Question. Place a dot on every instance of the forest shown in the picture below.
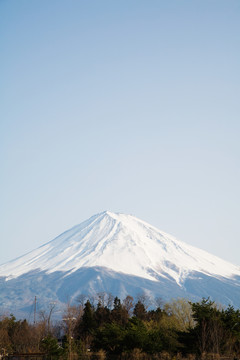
(130, 329)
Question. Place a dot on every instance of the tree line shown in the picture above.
(128, 329)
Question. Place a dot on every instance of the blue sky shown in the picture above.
(128, 106)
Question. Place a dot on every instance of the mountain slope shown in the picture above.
(122, 254)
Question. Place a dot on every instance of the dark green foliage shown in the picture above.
(231, 320)
(102, 315)
(187, 342)
(88, 319)
(119, 313)
(87, 323)
(49, 345)
(208, 326)
(216, 331)
(109, 338)
(136, 335)
(111, 330)
(231, 325)
(155, 315)
(140, 311)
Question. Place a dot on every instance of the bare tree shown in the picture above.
(81, 299)
(46, 316)
(159, 302)
(70, 316)
(128, 303)
(110, 300)
(182, 311)
(144, 299)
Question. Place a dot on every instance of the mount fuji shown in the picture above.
(118, 254)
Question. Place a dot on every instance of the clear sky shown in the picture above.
(130, 106)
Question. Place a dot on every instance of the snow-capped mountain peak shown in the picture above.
(124, 244)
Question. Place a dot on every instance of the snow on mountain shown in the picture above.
(111, 250)
(124, 244)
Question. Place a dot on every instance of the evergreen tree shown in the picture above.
(50, 346)
(119, 313)
(140, 311)
(102, 315)
(85, 327)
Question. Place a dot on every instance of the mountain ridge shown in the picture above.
(116, 252)
(120, 242)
